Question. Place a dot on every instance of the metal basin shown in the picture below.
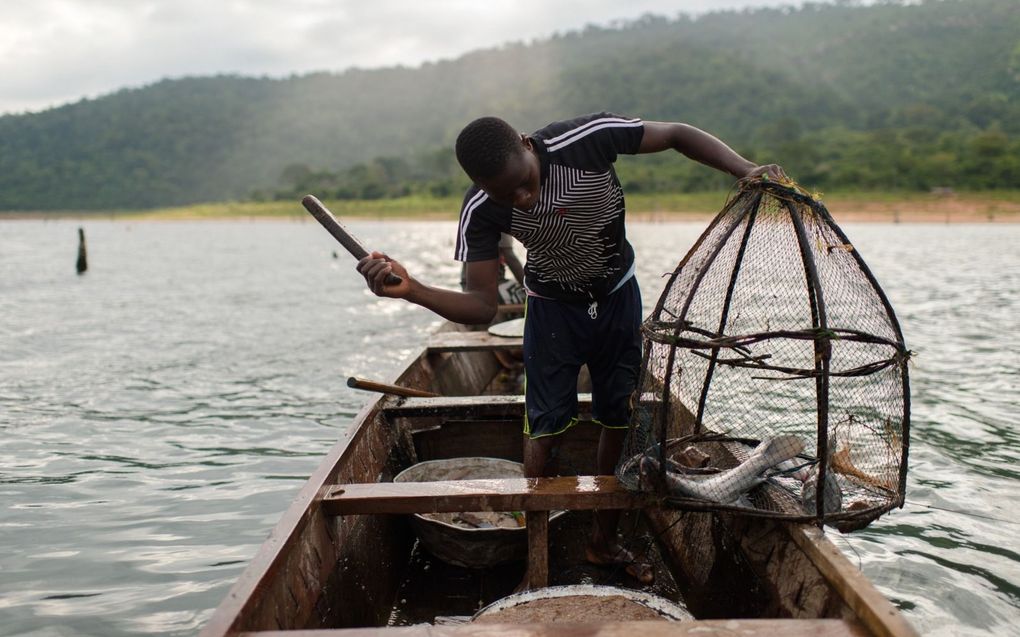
(457, 542)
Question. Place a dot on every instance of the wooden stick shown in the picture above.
(383, 388)
(339, 232)
(538, 549)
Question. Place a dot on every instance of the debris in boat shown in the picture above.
(480, 519)
(451, 620)
(694, 458)
(727, 486)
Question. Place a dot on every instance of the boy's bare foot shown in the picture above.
(618, 556)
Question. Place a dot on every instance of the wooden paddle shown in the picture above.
(335, 228)
(384, 388)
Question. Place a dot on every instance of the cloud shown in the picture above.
(57, 51)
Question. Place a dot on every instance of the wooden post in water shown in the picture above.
(83, 261)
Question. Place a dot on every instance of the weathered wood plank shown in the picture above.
(471, 342)
(873, 609)
(538, 549)
(706, 628)
(462, 407)
(505, 494)
(511, 405)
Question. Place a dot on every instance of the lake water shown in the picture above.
(159, 413)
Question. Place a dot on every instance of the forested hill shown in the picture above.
(928, 82)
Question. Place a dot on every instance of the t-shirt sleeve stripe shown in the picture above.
(571, 136)
(461, 253)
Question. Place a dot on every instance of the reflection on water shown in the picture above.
(159, 412)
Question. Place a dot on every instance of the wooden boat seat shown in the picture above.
(508, 406)
(535, 496)
(455, 341)
(565, 493)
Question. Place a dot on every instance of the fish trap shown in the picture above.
(774, 381)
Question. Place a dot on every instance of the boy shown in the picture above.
(557, 193)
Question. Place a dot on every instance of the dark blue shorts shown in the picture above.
(559, 338)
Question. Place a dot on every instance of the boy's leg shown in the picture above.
(604, 547)
(552, 360)
(551, 364)
(603, 537)
(540, 457)
(615, 369)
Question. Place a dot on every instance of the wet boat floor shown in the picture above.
(433, 591)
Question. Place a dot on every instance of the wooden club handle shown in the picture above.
(339, 232)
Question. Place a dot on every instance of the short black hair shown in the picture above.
(485, 145)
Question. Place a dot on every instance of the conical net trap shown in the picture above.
(774, 380)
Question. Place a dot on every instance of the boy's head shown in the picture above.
(501, 161)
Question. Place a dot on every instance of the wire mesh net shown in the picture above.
(774, 380)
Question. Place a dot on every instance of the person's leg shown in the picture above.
(615, 369)
(603, 536)
(552, 360)
(551, 364)
(604, 546)
(540, 457)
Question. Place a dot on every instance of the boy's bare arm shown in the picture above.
(476, 304)
(704, 148)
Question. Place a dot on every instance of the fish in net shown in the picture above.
(774, 376)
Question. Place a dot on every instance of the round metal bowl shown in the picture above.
(462, 545)
(589, 606)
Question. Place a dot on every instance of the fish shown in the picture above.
(726, 487)
(832, 494)
(795, 476)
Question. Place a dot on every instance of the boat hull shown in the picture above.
(345, 573)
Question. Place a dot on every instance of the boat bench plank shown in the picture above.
(701, 628)
(563, 493)
(472, 342)
(502, 406)
(510, 405)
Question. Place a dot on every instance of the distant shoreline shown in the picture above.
(981, 207)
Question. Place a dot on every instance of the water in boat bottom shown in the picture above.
(159, 412)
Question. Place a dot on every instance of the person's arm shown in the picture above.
(704, 148)
(476, 304)
(506, 249)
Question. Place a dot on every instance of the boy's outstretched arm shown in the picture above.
(704, 148)
(476, 304)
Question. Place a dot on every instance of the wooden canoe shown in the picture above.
(343, 561)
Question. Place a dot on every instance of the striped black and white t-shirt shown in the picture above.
(575, 237)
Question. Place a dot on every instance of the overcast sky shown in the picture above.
(58, 51)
